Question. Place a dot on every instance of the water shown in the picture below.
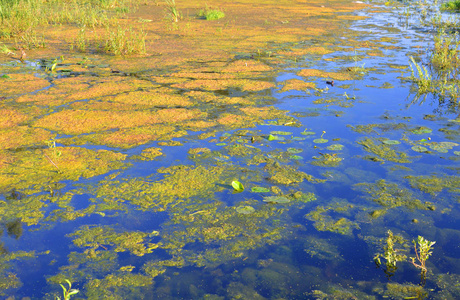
(168, 228)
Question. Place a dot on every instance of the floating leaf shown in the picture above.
(297, 157)
(259, 189)
(308, 133)
(245, 210)
(297, 138)
(238, 186)
(221, 144)
(276, 199)
(272, 137)
(335, 147)
(419, 149)
(457, 153)
(294, 150)
(281, 133)
(442, 147)
(391, 142)
(421, 130)
(320, 141)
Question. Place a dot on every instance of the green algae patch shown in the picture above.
(383, 151)
(56, 164)
(404, 291)
(342, 76)
(8, 279)
(245, 210)
(390, 195)
(326, 160)
(324, 222)
(103, 236)
(284, 174)
(217, 85)
(114, 285)
(297, 84)
(180, 182)
(149, 154)
(435, 184)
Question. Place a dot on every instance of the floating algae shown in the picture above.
(383, 151)
(324, 222)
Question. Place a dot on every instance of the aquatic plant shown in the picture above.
(423, 252)
(423, 78)
(237, 186)
(121, 41)
(453, 5)
(390, 254)
(67, 293)
(172, 13)
(210, 14)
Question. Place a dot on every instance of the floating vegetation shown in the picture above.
(259, 189)
(327, 160)
(383, 151)
(390, 195)
(335, 147)
(435, 184)
(276, 199)
(245, 210)
(391, 142)
(325, 222)
(419, 148)
(237, 186)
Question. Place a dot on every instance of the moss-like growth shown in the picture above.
(383, 151)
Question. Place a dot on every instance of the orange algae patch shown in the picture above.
(152, 99)
(216, 85)
(83, 121)
(199, 150)
(21, 84)
(21, 136)
(246, 66)
(296, 84)
(128, 138)
(213, 98)
(39, 167)
(199, 125)
(323, 74)
(197, 75)
(11, 117)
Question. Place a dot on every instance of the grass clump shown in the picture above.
(210, 14)
(451, 5)
(124, 42)
(172, 13)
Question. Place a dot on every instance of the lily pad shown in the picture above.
(296, 157)
(221, 144)
(335, 147)
(276, 199)
(238, 186)
(391, 142)
(281, 133)
(259, 189)
(320, 141)
(457, 153)
(419, 149)
(272, 137)
(294, 150)
(308, 133)
(245, 210)
(421, 130)
(442, 147)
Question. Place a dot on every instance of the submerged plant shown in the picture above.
(67, 292)
(390, 254)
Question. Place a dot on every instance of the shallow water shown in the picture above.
(169, 228)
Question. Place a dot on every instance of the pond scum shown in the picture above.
(123, 125)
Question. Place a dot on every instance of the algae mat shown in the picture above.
(273, 153)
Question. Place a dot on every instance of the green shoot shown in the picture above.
(67, 292)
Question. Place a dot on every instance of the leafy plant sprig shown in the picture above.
(67, 292)
(423, 253)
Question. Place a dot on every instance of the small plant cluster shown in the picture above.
(423, 250)
(116, 41)
(172, 13)
(451, 5)
(210, 14)
(67, 293)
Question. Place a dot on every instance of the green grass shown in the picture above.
(119, 41)
(172, 13)
(451, 5)
(210, 14)
(18, 16)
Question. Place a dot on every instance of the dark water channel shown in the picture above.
(347, 173)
